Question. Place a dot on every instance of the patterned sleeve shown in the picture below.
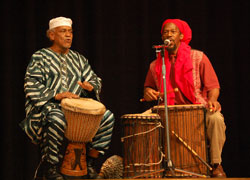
(89, 75)
(34, 83)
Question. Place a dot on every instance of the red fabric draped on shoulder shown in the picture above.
(183, 65)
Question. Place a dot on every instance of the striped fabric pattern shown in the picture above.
(49, 73)
(101, 141)
(64, 74)
(43, 82)
(53, 136)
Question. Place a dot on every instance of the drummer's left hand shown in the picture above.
(86, 85)
(213, 106)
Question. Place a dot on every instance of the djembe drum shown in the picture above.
(188, 150)
(142, 146)
(83, 117)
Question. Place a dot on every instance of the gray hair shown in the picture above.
(48, 31)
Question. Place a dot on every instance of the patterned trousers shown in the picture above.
(53, 135)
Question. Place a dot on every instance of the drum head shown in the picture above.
(141, 116)
(83, 105)
(183, 106)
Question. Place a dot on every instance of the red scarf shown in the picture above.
(183, 73)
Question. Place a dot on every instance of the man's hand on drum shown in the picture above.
(86, 85)
(212, 102)
(151, 94)
(67, 94)
(213, 106)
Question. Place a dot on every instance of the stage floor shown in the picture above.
(176, 179)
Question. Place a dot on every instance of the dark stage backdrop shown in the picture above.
(117, 37)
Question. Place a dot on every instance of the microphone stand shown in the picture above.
(169, 161)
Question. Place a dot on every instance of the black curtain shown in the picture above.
(117, 37)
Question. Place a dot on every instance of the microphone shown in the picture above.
(167, 42)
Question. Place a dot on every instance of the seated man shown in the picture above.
(191, 72)
(55, 73)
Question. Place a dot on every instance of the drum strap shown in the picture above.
(159, 125)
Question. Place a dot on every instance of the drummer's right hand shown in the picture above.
(67, 94)
(150, 94)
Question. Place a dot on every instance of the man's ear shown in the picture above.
(181, 36)
(51, 35)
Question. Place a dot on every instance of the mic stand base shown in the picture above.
(169, 168)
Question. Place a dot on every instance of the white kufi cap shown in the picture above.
(59, 21)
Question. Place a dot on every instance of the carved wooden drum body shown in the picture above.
(83, 117)
(188, 145)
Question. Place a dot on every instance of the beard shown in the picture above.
(171, 49)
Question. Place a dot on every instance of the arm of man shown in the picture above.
(67, 94)
(213, 103)
(90, 81)
(86, 85)
(150, 94)
(34, 82)
(211, 84)
(150, 89)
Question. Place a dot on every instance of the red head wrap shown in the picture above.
(183, 27)
(183, 65)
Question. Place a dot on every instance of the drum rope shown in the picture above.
(148, 164)
(141, 133)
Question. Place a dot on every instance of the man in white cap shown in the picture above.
(55, 73)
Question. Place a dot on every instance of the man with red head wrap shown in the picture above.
(197, 83)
